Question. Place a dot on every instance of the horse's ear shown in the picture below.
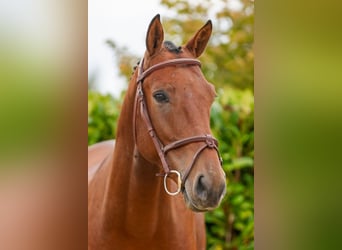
(155, 36)
(199, 41)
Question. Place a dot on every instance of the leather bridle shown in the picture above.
(210, 141)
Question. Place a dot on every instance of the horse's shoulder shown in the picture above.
(97, 153)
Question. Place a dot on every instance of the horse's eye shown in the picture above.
(161, 96)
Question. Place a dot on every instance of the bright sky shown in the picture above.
(125, 22)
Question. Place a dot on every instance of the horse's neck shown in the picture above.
(133, 193)
(145, 200)
(130, 205)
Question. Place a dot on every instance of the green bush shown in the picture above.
(231, 226)
(103, 112)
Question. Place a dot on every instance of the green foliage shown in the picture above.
(230, 52)
(103, 112)
(231, 226)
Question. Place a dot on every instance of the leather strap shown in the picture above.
(179, 61)
(211, 142)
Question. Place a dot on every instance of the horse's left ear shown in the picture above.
(199, 41)
(155, 36)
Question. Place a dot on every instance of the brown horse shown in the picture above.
(163, 128)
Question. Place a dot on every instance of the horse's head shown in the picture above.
(178, 100)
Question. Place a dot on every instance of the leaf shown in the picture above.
(242, 162)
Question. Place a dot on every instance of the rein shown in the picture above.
(210, 141)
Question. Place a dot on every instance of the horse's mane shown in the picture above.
(170, 46)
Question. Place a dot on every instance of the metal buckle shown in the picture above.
(179, 182)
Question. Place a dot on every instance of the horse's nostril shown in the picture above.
(209, 192)
(201, 188)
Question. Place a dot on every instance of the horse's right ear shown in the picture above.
(155, 36)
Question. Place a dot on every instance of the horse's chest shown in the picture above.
(183, 234)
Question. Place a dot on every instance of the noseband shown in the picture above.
(210, 142)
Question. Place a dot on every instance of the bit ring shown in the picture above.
(179, 182)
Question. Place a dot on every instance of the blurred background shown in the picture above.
(44, 118)
(117, 42)
(43, 144)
